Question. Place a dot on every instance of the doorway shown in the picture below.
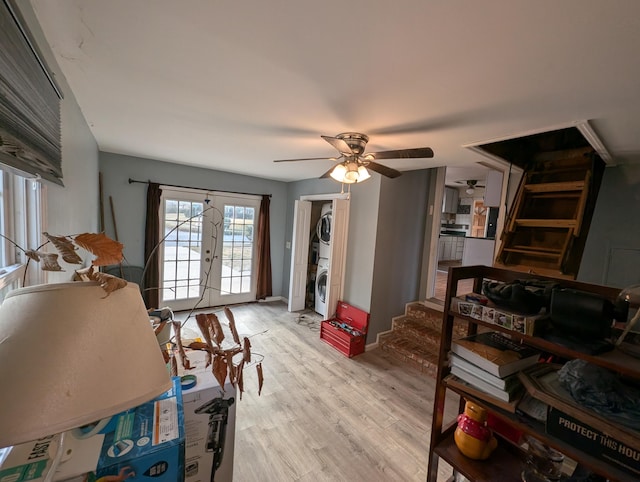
(460, 232)
(208, 253)
(318, 267)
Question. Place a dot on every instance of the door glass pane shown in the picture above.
(237, 249)
(182, 249)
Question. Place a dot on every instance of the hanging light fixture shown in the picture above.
(350, 172)
(363, 174)
(338, 173)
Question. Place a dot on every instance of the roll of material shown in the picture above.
(585, 315)
(188, 381)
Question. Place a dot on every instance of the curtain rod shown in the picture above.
(132, 181)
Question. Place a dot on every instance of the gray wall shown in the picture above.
(363, 215)
(130, 200)
(386, 240)
(72, 209)
(612, 251)
(397, 268)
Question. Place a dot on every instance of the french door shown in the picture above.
(208, 256)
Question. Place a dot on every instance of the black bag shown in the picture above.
(523, 296)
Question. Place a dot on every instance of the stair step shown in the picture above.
(418, 311)
(555, 186)
(548, 253)
(422, 356)
(546, 223)
(418, 329)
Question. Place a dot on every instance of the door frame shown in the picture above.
(209, 297)
(300, 252)
(510, 179)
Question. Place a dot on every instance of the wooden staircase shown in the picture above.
(415, 337)
(547, 226)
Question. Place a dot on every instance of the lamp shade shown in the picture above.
(338, 172)
(71, 355)
(363, 174)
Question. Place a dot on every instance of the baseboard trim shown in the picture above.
(371, 346)
(269, 299)
(377, 342)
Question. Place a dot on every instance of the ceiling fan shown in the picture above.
(353, 162)
(472, 184)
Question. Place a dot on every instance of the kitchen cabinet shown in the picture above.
(450, 248)
(450, 201)
(507, 462)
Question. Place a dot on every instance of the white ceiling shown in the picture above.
(232, 85)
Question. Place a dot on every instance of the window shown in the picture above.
(20, 223)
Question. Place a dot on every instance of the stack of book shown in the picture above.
(489, 362)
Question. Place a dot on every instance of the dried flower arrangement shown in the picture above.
(110, 252)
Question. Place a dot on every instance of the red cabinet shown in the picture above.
(347, 330)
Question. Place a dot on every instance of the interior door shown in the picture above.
(299, 255)
(338, 256)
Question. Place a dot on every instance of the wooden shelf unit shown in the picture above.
(506, 463)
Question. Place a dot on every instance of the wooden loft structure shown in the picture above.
(547, 226)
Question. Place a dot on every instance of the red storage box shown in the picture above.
(347, 330)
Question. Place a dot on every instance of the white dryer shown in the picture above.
(324, 230)
(321, 286)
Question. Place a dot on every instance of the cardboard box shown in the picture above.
(470, 304)
(347, 330)
(593, 441)
(31, 462)
(145, 443)
(210, 421)
(480, 308)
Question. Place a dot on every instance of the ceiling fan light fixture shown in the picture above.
(339, 172)
(363, 174)
(352, 172)
(470, 190)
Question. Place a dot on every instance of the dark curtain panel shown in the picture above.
(264, 288)
(151, 281)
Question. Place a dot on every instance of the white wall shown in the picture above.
(72, 209)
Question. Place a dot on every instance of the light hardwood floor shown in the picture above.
(323, 416)
(464, 286)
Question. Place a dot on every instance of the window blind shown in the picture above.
(29, 102)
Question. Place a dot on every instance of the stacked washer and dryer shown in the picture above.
(323, 229)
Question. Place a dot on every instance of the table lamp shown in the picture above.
(72, 354)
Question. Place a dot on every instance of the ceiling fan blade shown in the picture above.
(384, 170)
(309, 159)
(417, 153)
(341, 146)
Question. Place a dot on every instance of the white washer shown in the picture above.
(321, 286)
(324, 230)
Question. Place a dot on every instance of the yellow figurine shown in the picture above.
(472, 436)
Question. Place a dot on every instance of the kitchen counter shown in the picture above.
(478, 251)
(444, 234)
